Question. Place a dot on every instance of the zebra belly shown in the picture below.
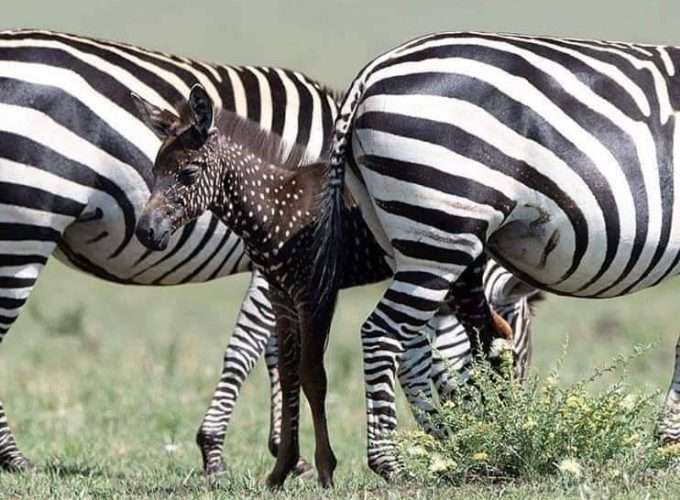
(539, 248)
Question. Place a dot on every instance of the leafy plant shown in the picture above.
(497, 429)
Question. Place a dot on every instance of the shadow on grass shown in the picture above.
(194, 482)
(74, 469)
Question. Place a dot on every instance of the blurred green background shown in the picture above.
(107, 384)
(332, 40)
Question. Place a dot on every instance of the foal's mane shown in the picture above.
(268, 146)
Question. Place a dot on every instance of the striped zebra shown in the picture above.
(75, 165)
(555, 156)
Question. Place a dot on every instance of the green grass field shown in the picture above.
(105, 386)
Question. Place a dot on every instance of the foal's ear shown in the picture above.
(157, 119)
(202, 109)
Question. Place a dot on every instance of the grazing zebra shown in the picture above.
(75, 166)
(556, 156)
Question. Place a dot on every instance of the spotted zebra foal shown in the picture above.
(215, 160)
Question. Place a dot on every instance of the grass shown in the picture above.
(105, 386)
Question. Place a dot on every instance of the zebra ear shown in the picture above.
(202, 109)
(161, 121)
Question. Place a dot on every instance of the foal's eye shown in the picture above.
(188, 175)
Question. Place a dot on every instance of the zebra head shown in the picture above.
(181, 189)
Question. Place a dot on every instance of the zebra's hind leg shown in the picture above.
(409, 303)
(288, 335)
(271, 357)
(668, 429)
(253, 332)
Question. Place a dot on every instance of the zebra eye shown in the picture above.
(188, 175)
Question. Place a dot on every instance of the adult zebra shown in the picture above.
(559, 157)
(75, 163)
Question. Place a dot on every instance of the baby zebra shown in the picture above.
(215, 160)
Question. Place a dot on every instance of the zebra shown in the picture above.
(554, 156)
(75, 166)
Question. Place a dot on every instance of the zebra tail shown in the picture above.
(328, 255)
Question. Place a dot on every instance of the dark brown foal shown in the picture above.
(215, 160)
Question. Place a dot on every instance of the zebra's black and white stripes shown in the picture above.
(75, 164)
(556, 156)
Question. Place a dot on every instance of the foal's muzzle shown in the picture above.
(154, 228)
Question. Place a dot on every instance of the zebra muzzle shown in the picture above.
(154, 229)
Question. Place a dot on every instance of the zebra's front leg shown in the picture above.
(415, 377)
(668, 429)
(409, 303)
(489, 334)
(253, 333)
(16, 283)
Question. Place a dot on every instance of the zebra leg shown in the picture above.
(20, 264)
(271, 356)
(253, 332)
(409, 303)
(450, 354)
(315, 325)
(287, 331)
(489, 334)
(518, 316)
(668, 429)
(414, 368)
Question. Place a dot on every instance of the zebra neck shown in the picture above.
(266, 205)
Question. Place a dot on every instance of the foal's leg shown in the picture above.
(271, 357)
(315, 326)
(287, 331)
(254, 331)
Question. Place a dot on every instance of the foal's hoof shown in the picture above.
(326, 482)
(303, 469)
(275, 481)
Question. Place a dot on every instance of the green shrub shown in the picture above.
(497, 429)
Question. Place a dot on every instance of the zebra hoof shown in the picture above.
(211, 453)
(17, 465)
(214, 469)
(391, 472)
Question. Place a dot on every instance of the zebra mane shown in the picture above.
(337, 95)
(267, 145)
